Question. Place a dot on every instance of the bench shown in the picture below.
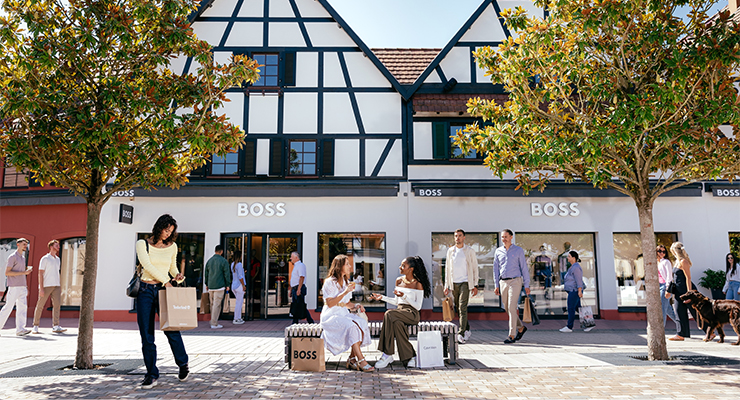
(447, 329)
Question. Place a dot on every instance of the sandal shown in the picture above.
(676, 338)
(364, 368)
(352, 364)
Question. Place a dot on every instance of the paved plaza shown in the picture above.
(247, 361)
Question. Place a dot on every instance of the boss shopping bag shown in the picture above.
(307, 354)
(429, 352)
(177, 309)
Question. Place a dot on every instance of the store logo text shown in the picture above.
(552, 209)
(257, 209)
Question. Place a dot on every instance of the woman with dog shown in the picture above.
(411, 289)
(732, 283)
(665, 277)
(682, 280)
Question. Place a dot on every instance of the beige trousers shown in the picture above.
(55, 292)
(216, 297)
(510, 291)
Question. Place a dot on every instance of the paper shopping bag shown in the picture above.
(586, 315)
(177, 309)
(205, 303)
(429, 352)
(307, 354)
(527, 317)
(447, 312)
(227, 304)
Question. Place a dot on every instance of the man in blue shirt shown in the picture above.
(510, 273)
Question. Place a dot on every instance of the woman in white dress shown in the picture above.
(343, 330)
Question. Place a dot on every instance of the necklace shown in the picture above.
(408, 282)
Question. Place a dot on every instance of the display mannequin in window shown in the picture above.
(49, 287)
(461, 272)
(16, 271)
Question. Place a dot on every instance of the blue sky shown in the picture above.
(414, 23)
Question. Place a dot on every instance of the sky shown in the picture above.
(416, 23)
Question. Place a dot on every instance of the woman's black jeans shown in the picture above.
(146, 306)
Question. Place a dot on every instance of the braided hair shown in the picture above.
(420, 273)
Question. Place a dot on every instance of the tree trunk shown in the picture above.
(655, 329)
(84, 357)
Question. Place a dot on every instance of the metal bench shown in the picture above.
(447, 329)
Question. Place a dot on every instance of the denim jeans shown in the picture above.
(668, 308)
(574, 302)
(146, 306)
(732, 289)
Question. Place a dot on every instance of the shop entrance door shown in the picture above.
(266, 261)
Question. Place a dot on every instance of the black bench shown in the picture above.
(447, 329)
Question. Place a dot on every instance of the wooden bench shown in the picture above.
(447, 329)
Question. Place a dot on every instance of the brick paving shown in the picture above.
(246, 361)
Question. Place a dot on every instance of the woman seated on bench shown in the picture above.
(411, 288)
(343, 330)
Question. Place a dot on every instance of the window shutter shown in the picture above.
(250, 157)
(327, 157)
(277, 152)
(289, 69)
(439, 140)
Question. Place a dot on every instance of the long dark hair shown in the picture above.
(335, 271)
(420, 273)
(164, 222)
(730, 266)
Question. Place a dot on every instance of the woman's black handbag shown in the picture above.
(671, 288)
(132, 290)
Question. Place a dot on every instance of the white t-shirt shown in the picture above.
(51, 266)
(299, 270)
(460, 266)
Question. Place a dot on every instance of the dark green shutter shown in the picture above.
(289, 69)
(439, 140)
(250, 157)
(327, 157)
(277, 152)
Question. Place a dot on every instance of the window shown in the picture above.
(366, 252)
(7, 247)
(14, 178)
(484, 245)
(72, 254)
(548, 262)
(630, 267)
(226, 165)
(455, 151)
(268, 69)
(302, 157)
(735, 242)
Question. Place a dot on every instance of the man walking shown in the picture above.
(298, 290)
(16, 272)
(461, 269)
(510, 272)
(217, 279)
(49, 286)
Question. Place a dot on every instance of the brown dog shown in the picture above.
(714, 314)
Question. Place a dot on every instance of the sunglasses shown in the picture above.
(661, 251)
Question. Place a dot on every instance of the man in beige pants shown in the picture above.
(511, 273)
(49, 286)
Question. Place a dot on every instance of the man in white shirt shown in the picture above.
(49, 286)
(461, 269)
(298, 308)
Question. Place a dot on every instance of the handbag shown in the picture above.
(447, 312)
(671, 288)
(132, 290)
(586, 315)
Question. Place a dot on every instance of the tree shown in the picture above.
(618, 93)
(89, 103)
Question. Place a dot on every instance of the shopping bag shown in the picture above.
(205, 303)
(307, 354)
(586, 315)
(429, 352)
(177, 309)
(535, 317)
(527, 317)
(227, 303)
(447, 312)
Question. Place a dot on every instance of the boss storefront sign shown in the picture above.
(562, 209)
(259, 209)
(725, 192)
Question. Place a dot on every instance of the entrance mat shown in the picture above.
(678, 358)
(63, 368)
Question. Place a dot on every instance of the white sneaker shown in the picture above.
(58, 329)
(466, 337)
(588, 329)
(460, 339)
(384, 361)
(35, 330)
(219, 326)
(23, 332)
(565, 329)
(238, 321)
(412, 363)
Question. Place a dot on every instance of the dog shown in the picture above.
(713, 314)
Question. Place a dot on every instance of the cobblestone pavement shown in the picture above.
(247, 362)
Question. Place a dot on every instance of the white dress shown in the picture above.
(340, 326)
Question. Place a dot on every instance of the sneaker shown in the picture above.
(184, 373)
(467, 334)
(35, 330)
(23, 332)
(384, 361)
(238, 321)
(412, 363)
(58, 329)
(460, 339)
(219, 326)
(588, 329)
(565, 329)
(148, 383)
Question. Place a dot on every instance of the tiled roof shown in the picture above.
(450, 102)
(406, 64)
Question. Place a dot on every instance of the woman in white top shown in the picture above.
(343, 330)
(665, 277)
(238, 286)
(732, 284)
(411, 288)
